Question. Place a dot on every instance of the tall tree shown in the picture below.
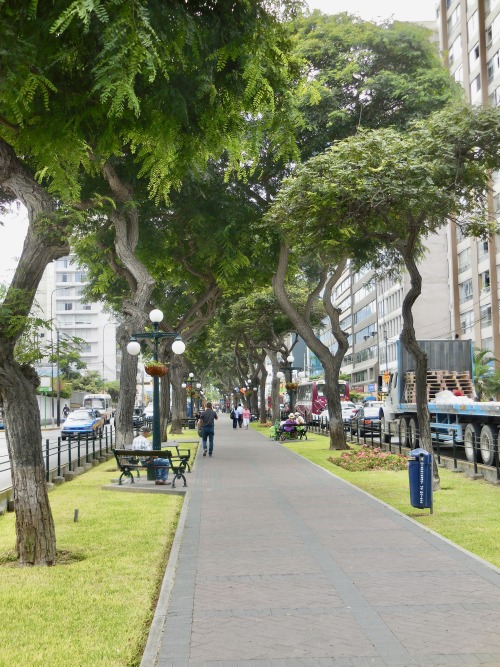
(362, 75)
(89, 89)
(379, 194)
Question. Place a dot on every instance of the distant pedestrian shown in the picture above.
(65, 410)
(247, 415)
(234, 416)
(240, 415)
(207, 422)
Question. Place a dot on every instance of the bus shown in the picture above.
(101, 402)
(310, 400)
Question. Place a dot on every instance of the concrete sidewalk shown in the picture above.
(279, 563)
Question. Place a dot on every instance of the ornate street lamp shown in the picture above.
(133, 348)
(288, 373)
(189, 385)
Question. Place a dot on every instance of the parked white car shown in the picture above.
(349, 409)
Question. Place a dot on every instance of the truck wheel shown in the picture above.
(488, 435)
(385, 430)
(403, 432)
(471, 440)
(413, 432)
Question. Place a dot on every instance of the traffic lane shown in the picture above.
(52, 436)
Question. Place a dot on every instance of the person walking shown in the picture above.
(207, 423)
(234, 416)
(246, 414)
(240, 415)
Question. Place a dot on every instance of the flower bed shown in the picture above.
(368, 458)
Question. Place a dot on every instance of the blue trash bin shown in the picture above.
(420, 476)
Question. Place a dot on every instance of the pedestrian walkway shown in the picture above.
(279, 563)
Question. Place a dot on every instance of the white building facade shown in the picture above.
(59, 299)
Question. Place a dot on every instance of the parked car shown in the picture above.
(366, 417)
(349, 409)
(137, 418)
(82, 422)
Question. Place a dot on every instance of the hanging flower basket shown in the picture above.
(156, 369)
(291, 386)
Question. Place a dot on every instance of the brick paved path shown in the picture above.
(282, 564)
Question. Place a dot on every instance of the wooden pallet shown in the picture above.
(439, 380)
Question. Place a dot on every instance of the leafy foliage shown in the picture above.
(486, 378)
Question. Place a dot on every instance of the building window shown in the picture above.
(464, 260)
(68, 306)
(492, 66)
(482, 250)
(484, 281)
(485, 316)
(466, 321)
(473, 56)
(80, 277)
(475, 86)
(495, 97)
(455, 52)
(465, 291)
(496, 203)
(459, 74)
(454, 19)
(364, 291)
(359, 377)
(472, 25)
(487, 344)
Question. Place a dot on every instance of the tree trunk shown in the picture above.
(275, 386)
(46, 240)
(409, 340)
(331, 363)
(128, 386)
(36, 539)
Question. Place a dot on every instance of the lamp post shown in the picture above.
(133, 348)
(287, 373)
(188, 384)
(56, 289)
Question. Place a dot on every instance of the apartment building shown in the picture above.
(372, 316)
(469, 36)
(59, 299)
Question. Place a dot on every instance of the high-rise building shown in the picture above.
(59, 299)
(469, 35)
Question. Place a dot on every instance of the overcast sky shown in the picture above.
(13, 233)
(401, 10)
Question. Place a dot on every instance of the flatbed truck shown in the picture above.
(450, 366)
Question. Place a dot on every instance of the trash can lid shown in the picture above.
(417, 453)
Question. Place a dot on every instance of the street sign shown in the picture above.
(371, 387)
(386, 377)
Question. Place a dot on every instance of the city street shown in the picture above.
(50, 435)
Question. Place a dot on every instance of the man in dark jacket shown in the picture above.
(207, 420)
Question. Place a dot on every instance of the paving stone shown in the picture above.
(282, 564)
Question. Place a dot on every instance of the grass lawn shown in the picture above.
(465, 511)
(96, 608)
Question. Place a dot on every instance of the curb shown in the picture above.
(155, 633)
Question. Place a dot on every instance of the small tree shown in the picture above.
(486, 378)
